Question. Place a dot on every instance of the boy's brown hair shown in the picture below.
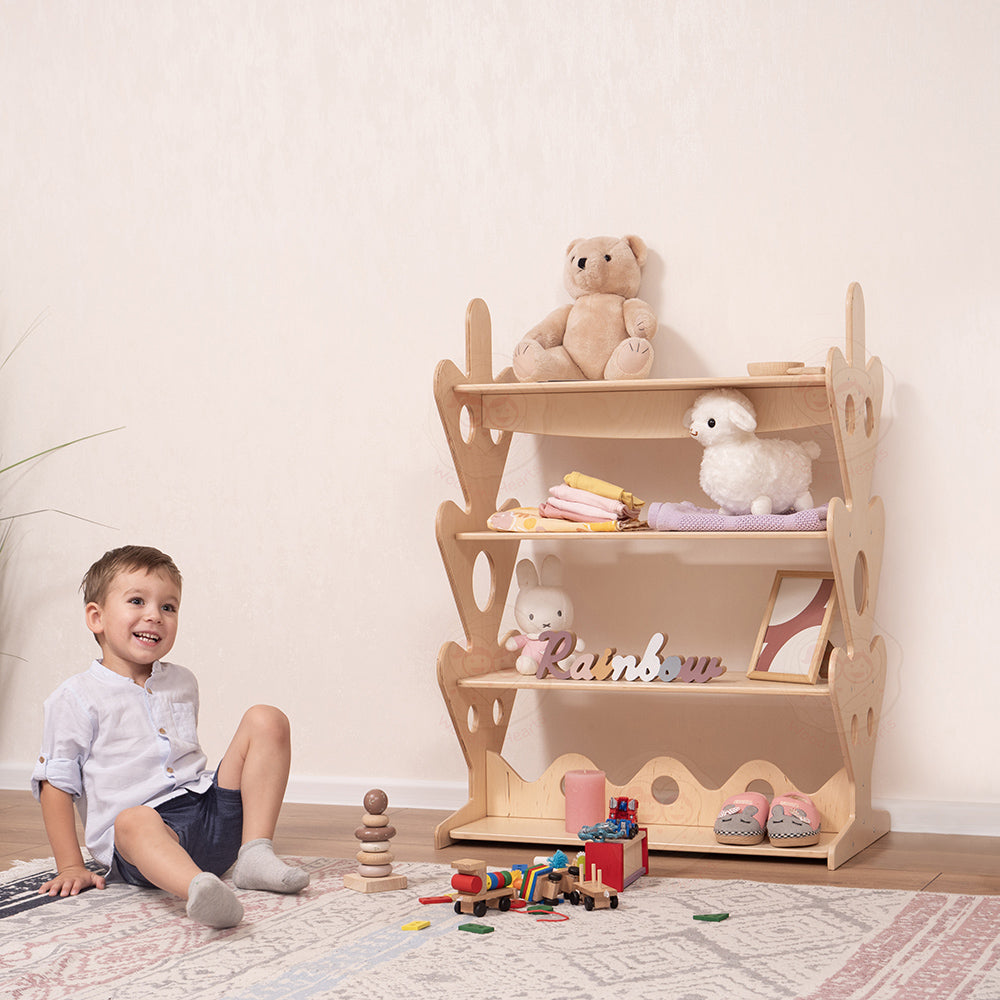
(126, 559)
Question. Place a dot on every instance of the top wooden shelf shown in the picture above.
(655, 407)
(507, 386)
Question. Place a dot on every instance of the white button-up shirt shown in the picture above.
(112, 744)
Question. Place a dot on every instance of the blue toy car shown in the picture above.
(605, 830)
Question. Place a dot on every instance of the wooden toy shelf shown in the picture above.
(480, 414)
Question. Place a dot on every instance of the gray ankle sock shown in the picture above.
(257, 867)
(212, 903)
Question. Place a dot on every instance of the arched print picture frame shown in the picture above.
(792, 641)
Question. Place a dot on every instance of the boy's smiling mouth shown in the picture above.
(149, 637)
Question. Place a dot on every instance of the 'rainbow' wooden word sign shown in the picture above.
(609, 664)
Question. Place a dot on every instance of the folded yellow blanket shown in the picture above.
(529, 519)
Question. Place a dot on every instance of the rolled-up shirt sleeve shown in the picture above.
(67, 735)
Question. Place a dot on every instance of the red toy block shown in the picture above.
(621, 861)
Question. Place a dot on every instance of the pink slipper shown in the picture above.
(742, 819)
(793, 821)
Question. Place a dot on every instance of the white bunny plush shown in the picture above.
(742, 473)
(541, 605)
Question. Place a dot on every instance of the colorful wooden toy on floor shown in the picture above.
(594, 893)
(560, 882)
(532, 882)
(374, 872)
(478, 889)
(622, 861)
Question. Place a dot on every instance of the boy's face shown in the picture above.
(136, 623)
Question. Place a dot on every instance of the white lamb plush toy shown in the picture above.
(742, 473)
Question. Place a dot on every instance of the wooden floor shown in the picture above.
(932, 862)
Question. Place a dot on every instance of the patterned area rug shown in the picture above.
(801, 942)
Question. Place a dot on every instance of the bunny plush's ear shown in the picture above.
(551, 571)
(526, 574)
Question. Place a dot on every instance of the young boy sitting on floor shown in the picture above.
(121, 740)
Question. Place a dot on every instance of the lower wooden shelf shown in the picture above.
(693, 839)
(510, 809)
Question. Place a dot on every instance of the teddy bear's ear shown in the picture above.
(526, 574)
(569, 249)
(638, 248)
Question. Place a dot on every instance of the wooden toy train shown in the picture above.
(479, 889)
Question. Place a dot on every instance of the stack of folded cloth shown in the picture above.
(585, 499)
(579, 504)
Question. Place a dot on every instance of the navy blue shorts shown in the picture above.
(209, 825)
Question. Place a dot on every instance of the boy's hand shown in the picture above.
(70, 881)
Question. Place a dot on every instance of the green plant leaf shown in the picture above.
(59, 447)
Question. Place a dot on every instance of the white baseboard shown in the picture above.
(973, 819)
(318, 789)
(15, 777)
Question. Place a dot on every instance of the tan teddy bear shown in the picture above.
(606, 332)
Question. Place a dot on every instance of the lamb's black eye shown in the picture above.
(607, 256)
(711, 421)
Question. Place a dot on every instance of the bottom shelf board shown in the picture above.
(693, 839)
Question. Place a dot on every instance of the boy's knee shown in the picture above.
(267, 719)
(134, 822)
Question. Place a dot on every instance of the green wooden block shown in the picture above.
(712, 917)
(476, 928)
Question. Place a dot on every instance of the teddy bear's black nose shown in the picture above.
(581, 263)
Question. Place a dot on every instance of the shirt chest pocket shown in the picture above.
(184, 732)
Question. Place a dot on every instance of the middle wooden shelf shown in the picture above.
(732, 683)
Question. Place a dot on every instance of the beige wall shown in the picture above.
(251, 230)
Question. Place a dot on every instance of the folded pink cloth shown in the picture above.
(686, 516)
(570, 494)
(574, 511)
